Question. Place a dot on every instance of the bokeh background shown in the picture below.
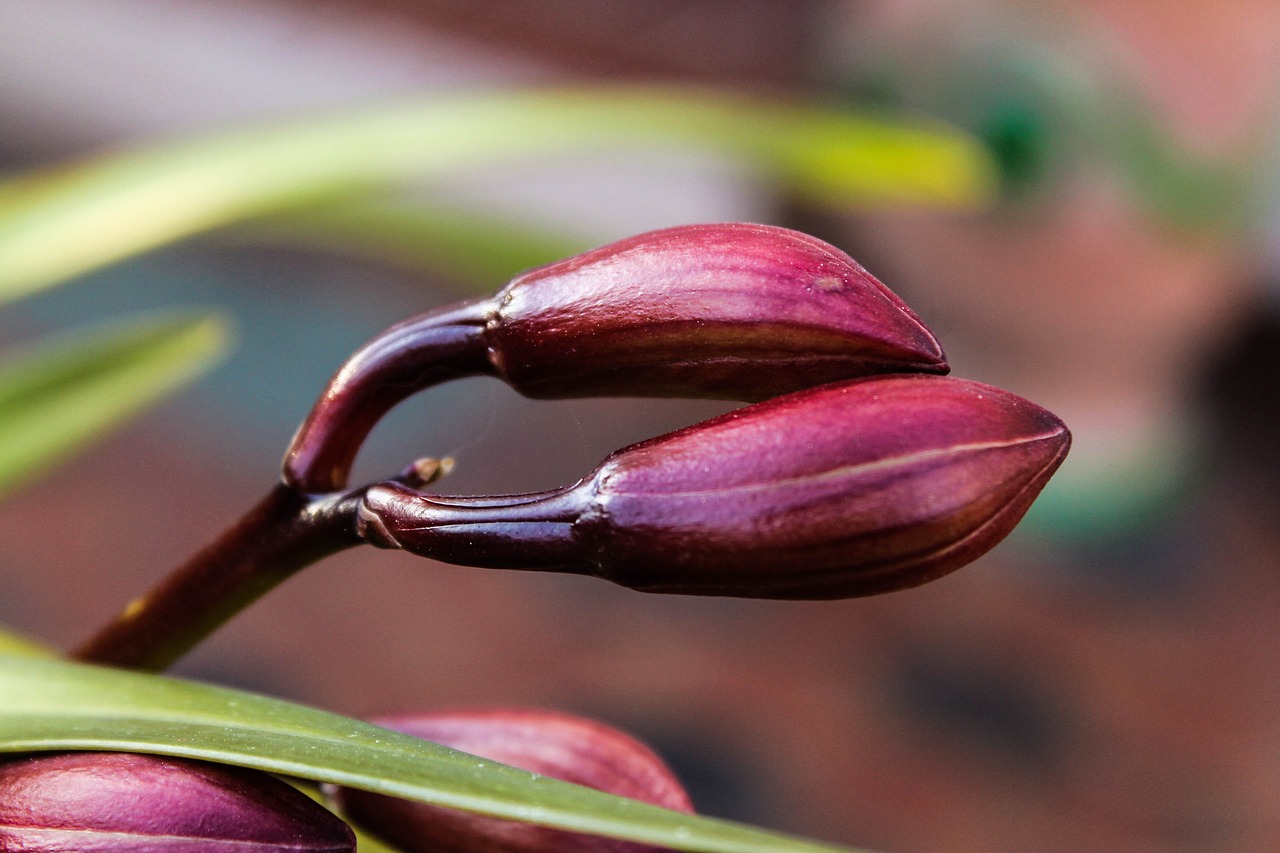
(1107, 679)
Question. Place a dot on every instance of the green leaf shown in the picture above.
(56, 705)
(66, 223)
(469, 247)
(60, 395)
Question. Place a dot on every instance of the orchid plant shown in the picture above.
(859, 468)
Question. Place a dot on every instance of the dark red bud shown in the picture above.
(572, 749)
(848, 489)
(736, 311)
(124, 803)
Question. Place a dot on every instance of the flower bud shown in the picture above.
(571, 749)
(736, 311)
(847, 489)
(116, 802)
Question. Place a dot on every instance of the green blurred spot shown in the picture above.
(1018, 138)
(13, 643)
(60, 395)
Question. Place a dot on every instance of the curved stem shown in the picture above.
(286, 531)
(305, 518)
(405, 359)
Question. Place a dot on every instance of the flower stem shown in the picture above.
(308, 516)
(286, 531)
(405, 359)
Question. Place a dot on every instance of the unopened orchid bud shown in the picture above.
(563, 747)
(735, 311)
(126, 803)
(848, 489)
(738, 311)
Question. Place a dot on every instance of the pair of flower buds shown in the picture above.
(116, 802)
(864, 470)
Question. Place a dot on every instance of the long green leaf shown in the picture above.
(473, 248)
(56, 705)
(83, 217)
(58, 396)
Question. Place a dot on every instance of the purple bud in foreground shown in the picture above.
(571, 749)
(848, 489)
(736, 310)
(124, 803)
(732, 310)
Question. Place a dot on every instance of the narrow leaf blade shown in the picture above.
(471, 248)
(60, 395)
(57, 226)
(56, 705)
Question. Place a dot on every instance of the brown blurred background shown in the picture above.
(1105, 680)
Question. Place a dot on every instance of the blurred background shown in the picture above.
(1106, 679)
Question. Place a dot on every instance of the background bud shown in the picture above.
(557, 745)
(736, 310)
(123, 803)
(848, 489)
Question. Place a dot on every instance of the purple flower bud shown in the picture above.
(572, 749)
(848, 489)
(735, 310)
(116, 802)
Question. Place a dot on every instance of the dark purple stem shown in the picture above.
(306, 518)
(407, 358)
(285, 532)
